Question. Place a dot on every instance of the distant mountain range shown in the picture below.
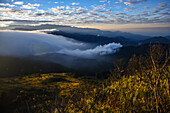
(84, 31)
(96, 40)
(101, 40)
(61, 29)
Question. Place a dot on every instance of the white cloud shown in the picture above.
(40, 11)
(5, 23)
(30, 6)
(55, 10)
(75, 3)
(59, 9)
(68, 7)
(36, 5)
(56, 2)
(3, 9)
(129, 2)
(98, 50)
(7, 4)
(19, 3)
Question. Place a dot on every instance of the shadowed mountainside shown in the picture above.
(11, 66)
(159, 40)
(97, 40)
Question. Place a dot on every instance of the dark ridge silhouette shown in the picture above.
(12, 66)
(160, 40)
(98, 40)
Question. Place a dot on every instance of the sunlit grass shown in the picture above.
(39, 81)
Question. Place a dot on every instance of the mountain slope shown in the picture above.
(12, 66)
(89, 31)
(99, 40)
(168, 37)
(160, 39)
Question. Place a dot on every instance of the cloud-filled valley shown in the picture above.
(22, 44)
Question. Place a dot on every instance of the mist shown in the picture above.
(22, 44)
(89, 53)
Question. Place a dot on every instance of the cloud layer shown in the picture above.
(120, 12)
(99, 50)
(26, 44)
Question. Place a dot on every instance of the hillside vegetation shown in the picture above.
(142, 85)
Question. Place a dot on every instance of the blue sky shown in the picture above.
(124, 15)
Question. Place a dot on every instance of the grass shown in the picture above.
(142, 86)
(39, 81)
(55, 92)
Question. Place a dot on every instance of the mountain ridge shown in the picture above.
(159, 39)
(90, 31)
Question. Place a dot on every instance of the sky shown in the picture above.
(149, 17)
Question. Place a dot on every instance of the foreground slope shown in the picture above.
(140, 86)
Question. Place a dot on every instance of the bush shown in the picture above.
(141, 86)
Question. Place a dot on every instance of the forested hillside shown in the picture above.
(141, 85)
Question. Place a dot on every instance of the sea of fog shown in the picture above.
(21, 44)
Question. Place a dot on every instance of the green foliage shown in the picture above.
(140, 86)
(143, 86)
